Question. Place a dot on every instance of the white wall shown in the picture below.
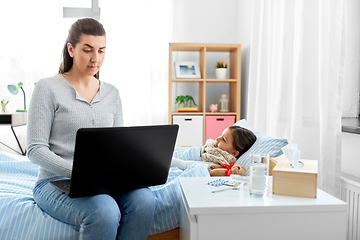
(350, 153)
(205, 21)
(352, 60)
(350, 150)
(211, 21)
(245, 15)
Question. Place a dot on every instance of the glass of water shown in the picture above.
(259, 175)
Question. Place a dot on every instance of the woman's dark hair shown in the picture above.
(83, 26)
(243, 139)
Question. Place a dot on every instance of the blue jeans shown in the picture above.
(126, 215)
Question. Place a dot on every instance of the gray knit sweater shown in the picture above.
(55, 114)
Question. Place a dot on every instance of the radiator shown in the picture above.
(350, 192)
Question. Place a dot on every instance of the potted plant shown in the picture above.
(185, 100)
(221, 69)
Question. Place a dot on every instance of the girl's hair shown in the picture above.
(243, 139)
(83, 26)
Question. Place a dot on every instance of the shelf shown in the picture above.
(221, 47)
(206, 88)
(187, 113)
(203, 80)
(220, 113)
(203, 113)
(210, 47)
(187, 47)
(221, 80)
(187, 80)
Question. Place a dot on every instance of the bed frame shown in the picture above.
(172, 234)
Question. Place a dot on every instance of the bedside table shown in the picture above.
(234, 214)
(14, 119)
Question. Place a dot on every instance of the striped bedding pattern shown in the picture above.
(272, 147)
(263, 145)
(21, 218)
(167, 213)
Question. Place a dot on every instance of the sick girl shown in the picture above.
(227, 148)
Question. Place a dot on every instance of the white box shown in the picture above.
(190, 130)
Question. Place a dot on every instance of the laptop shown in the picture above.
(111, 160)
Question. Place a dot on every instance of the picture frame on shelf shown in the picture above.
(187, 69)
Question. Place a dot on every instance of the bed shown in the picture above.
(21, 218)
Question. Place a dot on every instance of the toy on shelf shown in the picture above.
(213, 108)
(185, 100)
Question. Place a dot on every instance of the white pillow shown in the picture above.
(263, 145)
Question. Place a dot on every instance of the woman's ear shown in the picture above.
(235, 153)
(70, 49)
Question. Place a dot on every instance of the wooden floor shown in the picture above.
(168, 235)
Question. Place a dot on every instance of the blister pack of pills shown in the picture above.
(217, 182)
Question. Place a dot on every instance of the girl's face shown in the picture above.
(225, 142)
(88, 55)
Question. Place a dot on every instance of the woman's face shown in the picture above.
(225, 142)
(88, 55)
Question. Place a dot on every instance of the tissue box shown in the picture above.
(300, 182)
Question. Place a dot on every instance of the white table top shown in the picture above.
(201, 200)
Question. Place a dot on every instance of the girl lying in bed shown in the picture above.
(226, 149)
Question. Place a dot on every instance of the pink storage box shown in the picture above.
(215, 125)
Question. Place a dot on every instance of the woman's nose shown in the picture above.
(94, 57)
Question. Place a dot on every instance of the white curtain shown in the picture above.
(296, 78)
(137, 55)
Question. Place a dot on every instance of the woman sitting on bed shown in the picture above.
(60, 105)
(228, 147)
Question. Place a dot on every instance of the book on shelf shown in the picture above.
(188, 109)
